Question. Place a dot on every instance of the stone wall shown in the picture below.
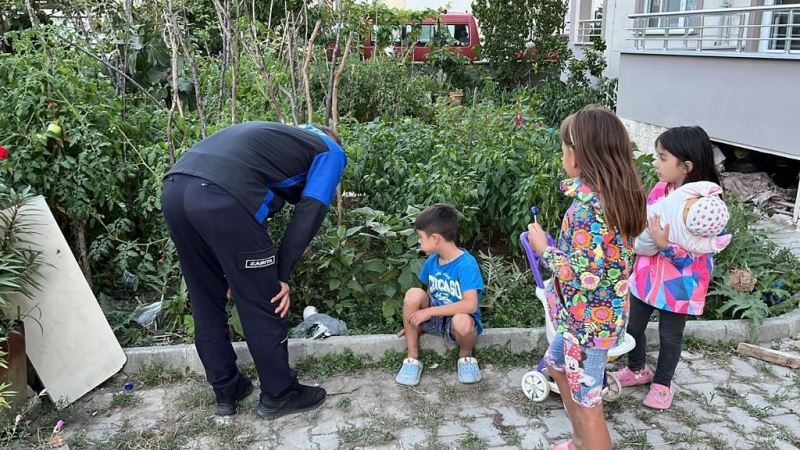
(643, 134)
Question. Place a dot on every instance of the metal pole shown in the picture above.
(702, 32)
(741, 33)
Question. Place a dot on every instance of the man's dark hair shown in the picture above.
(330, 134)
(439, 218)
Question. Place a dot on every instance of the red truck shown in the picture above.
(461, 27)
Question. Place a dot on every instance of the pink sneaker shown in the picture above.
(627, 377)
(659, 397)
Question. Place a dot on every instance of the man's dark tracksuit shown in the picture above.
(215, 201)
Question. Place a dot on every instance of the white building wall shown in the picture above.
(616, 27)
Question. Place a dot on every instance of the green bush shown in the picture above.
(100, 160)
(776, 271)
(475, 159)
(584, 85)
(385, 88)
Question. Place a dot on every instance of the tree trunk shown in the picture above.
(79, 228)
(170, 138)
(173, 45)
(201, 115)
(291, 32)
(335, 123)
(233, 48)
(49, 54)
(337, 77)
(255, 52)
(306, 62)
(332, 73)
(223, 28)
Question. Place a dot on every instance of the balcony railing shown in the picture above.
(762, 29)
(588, 29)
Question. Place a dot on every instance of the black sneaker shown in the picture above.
(299, 398)
(229, 408)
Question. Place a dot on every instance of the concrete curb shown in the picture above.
(517, 340)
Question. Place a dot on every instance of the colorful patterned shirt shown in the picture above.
(591, 266)
(673, 279)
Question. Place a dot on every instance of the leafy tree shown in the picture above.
(510, 27)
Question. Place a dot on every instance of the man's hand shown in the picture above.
(660, 235)
(537, 238)
(283, 298)
(422, 315)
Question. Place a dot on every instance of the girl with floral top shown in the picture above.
(673, 281)
(591, 263)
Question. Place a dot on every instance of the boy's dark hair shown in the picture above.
(692, 144)
(439, 218)
(330, 134)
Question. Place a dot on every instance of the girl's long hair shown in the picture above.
(604, 156)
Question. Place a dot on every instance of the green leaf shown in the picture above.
(390, 308)
(374, 265)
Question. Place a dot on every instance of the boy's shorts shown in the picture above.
(439, 326)
(585, 369)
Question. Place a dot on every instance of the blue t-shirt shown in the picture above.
(447, 282)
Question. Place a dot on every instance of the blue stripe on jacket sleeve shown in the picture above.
(325, 173)
(263, 211)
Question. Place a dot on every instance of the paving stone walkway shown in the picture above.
(723, 400)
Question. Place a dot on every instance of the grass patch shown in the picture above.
(449, 393)
(707, 403)
(232, 436)
(692, 438)
(249, 370)
(325, 366)
(424, 413)
(173, 435)
(156, 437)
(525, 406)
(510, 435)
(715, 442)
(344, 404)
(684, 417)
(472, 442)
(765, 444)
(778, 397)
(503, 358)
(785, 434)
(622, 404)
(196, 396)
(634, 439)
(734, 399)
(378, 431)
(717, 351)
(431, 444)
(766, 369)
(467, 419)
(124, 399)
(155, 374)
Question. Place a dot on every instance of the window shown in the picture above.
(780, 29)
(426, 33)
(459, 32)
(390, 36)
(660, 6)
